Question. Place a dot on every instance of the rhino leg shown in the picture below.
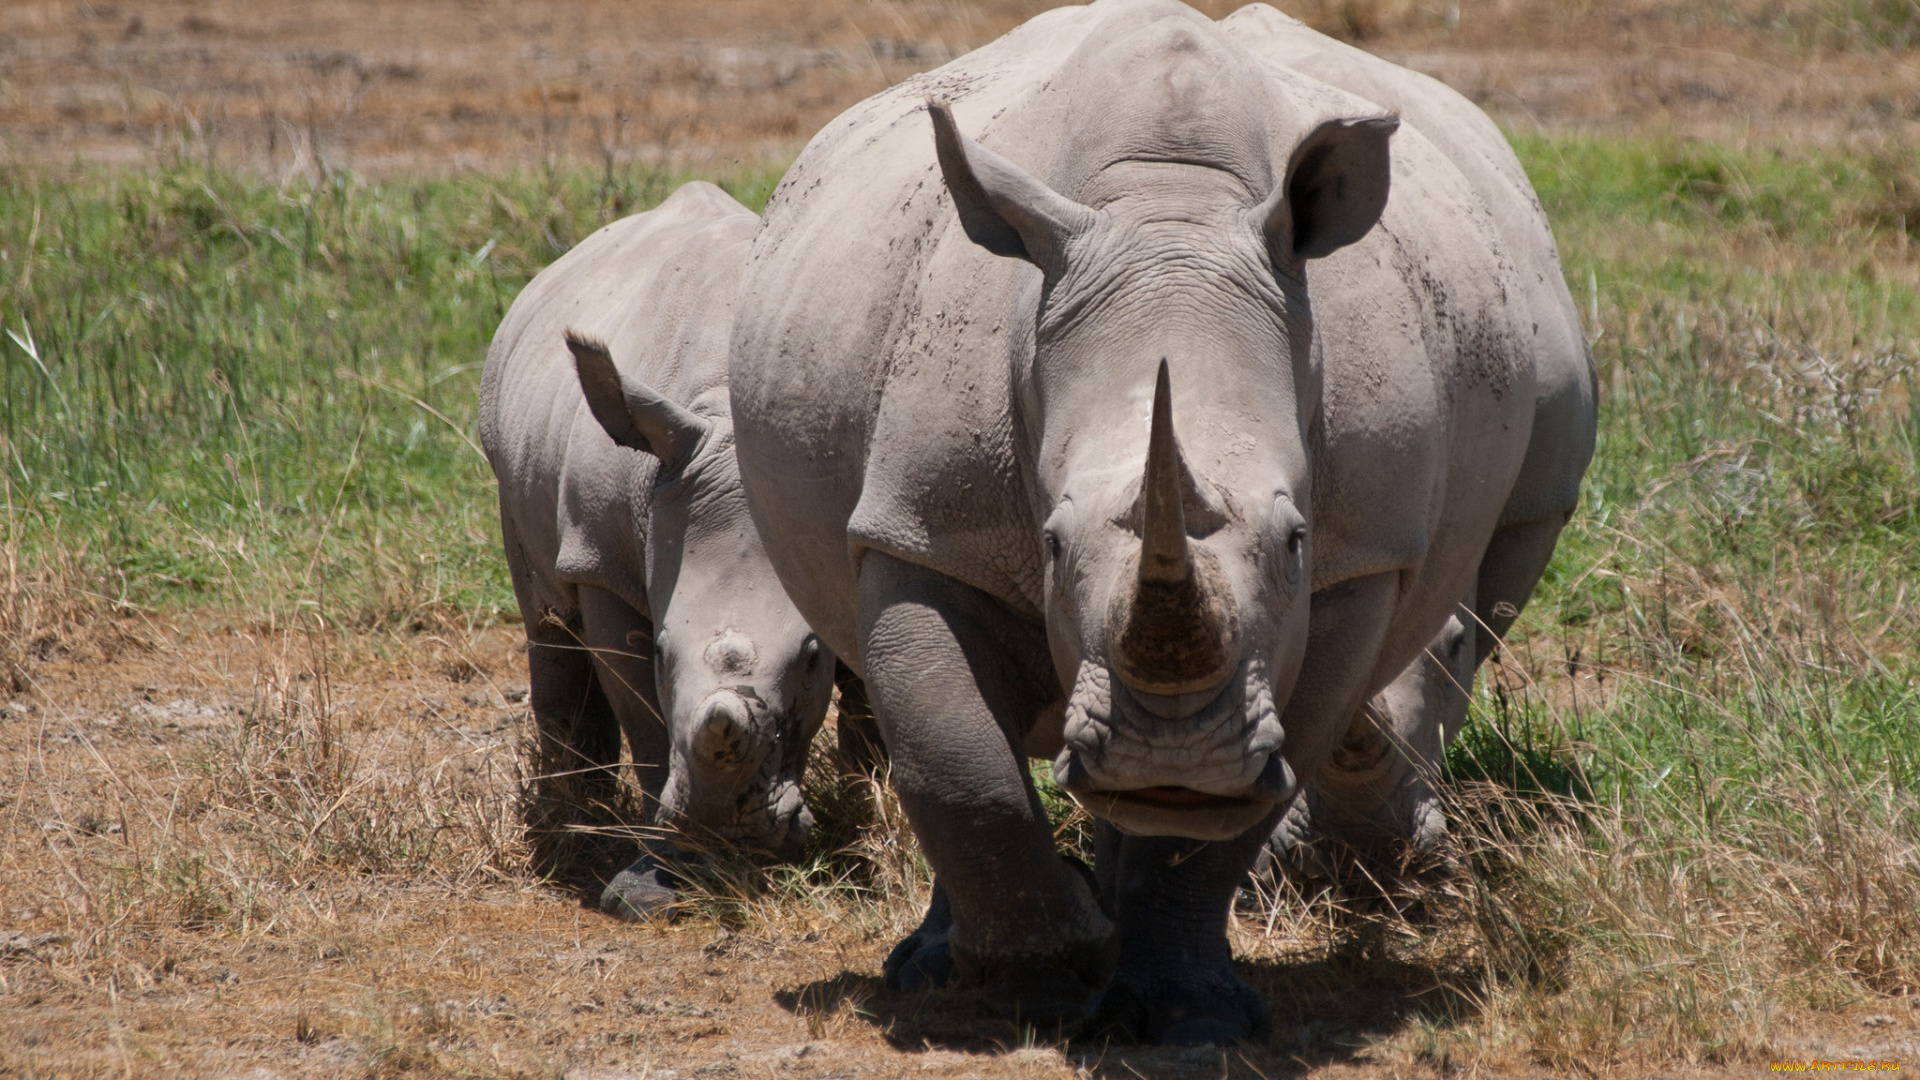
(862, 750)
(620, 640)
(1515, 558)
(1171, 896)
(1374, 795)
(956, 680)
(921, 961)
(576, 750)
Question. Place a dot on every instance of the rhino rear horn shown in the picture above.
(1002, 207)
(633, 413)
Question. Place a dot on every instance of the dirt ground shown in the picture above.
(170, 907)
(444, 85)
(175, 902)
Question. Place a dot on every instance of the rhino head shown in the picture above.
(1172, 388)
(743, 682)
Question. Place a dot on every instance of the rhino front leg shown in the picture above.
(1375, 793)
(620, 640)
(1171, 896)
(956, 679)
(862, 750)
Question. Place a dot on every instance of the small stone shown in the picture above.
(1877, 1022)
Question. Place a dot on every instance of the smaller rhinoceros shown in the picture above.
(649, 603)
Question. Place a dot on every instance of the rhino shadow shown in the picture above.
(1326, 1010)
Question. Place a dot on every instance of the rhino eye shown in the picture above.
(1296, 539)
(1053, 544)
(811, 650)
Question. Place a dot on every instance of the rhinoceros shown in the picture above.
(1119, 395)
(649, 603)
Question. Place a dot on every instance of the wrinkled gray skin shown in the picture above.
(644, 587)
(1374, 792)
(1133, 435)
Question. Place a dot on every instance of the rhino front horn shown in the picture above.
(1164, 557)
(1178, 623)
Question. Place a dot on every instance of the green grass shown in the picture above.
(1722, 664)
(222, 393)
(1751, 531)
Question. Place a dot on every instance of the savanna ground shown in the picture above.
(262, 711)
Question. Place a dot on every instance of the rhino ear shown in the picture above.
(633, 413)
(1335, 190)
(1002, 207)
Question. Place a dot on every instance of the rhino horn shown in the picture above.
(1178, 623)
(1164, 557)
(634, 414)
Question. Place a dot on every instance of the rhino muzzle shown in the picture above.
(769, 810)
(1210, 773)
(1177, 734)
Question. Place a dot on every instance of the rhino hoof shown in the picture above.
(1215, 1009)
(1056, 991)
(920, 964)
(1048, 1000)
(642, 891)
(1201, 1031)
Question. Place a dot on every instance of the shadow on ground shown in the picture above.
(1326, 1011)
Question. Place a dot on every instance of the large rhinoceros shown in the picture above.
(644, 587)
(960, 359)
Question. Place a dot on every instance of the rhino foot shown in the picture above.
(922, 961)
(1054, 991)
(1209, 1007)
(649, 889)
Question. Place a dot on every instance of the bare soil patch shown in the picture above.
(443, 85)
(239, 852)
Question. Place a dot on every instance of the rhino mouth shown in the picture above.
(1169, 796)
(1171, 811)
(767, 812)
(1210, 770)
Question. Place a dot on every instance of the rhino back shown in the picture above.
(657, 288)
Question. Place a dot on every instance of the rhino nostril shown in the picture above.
(720, 739)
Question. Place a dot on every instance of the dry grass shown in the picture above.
(299, 850)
